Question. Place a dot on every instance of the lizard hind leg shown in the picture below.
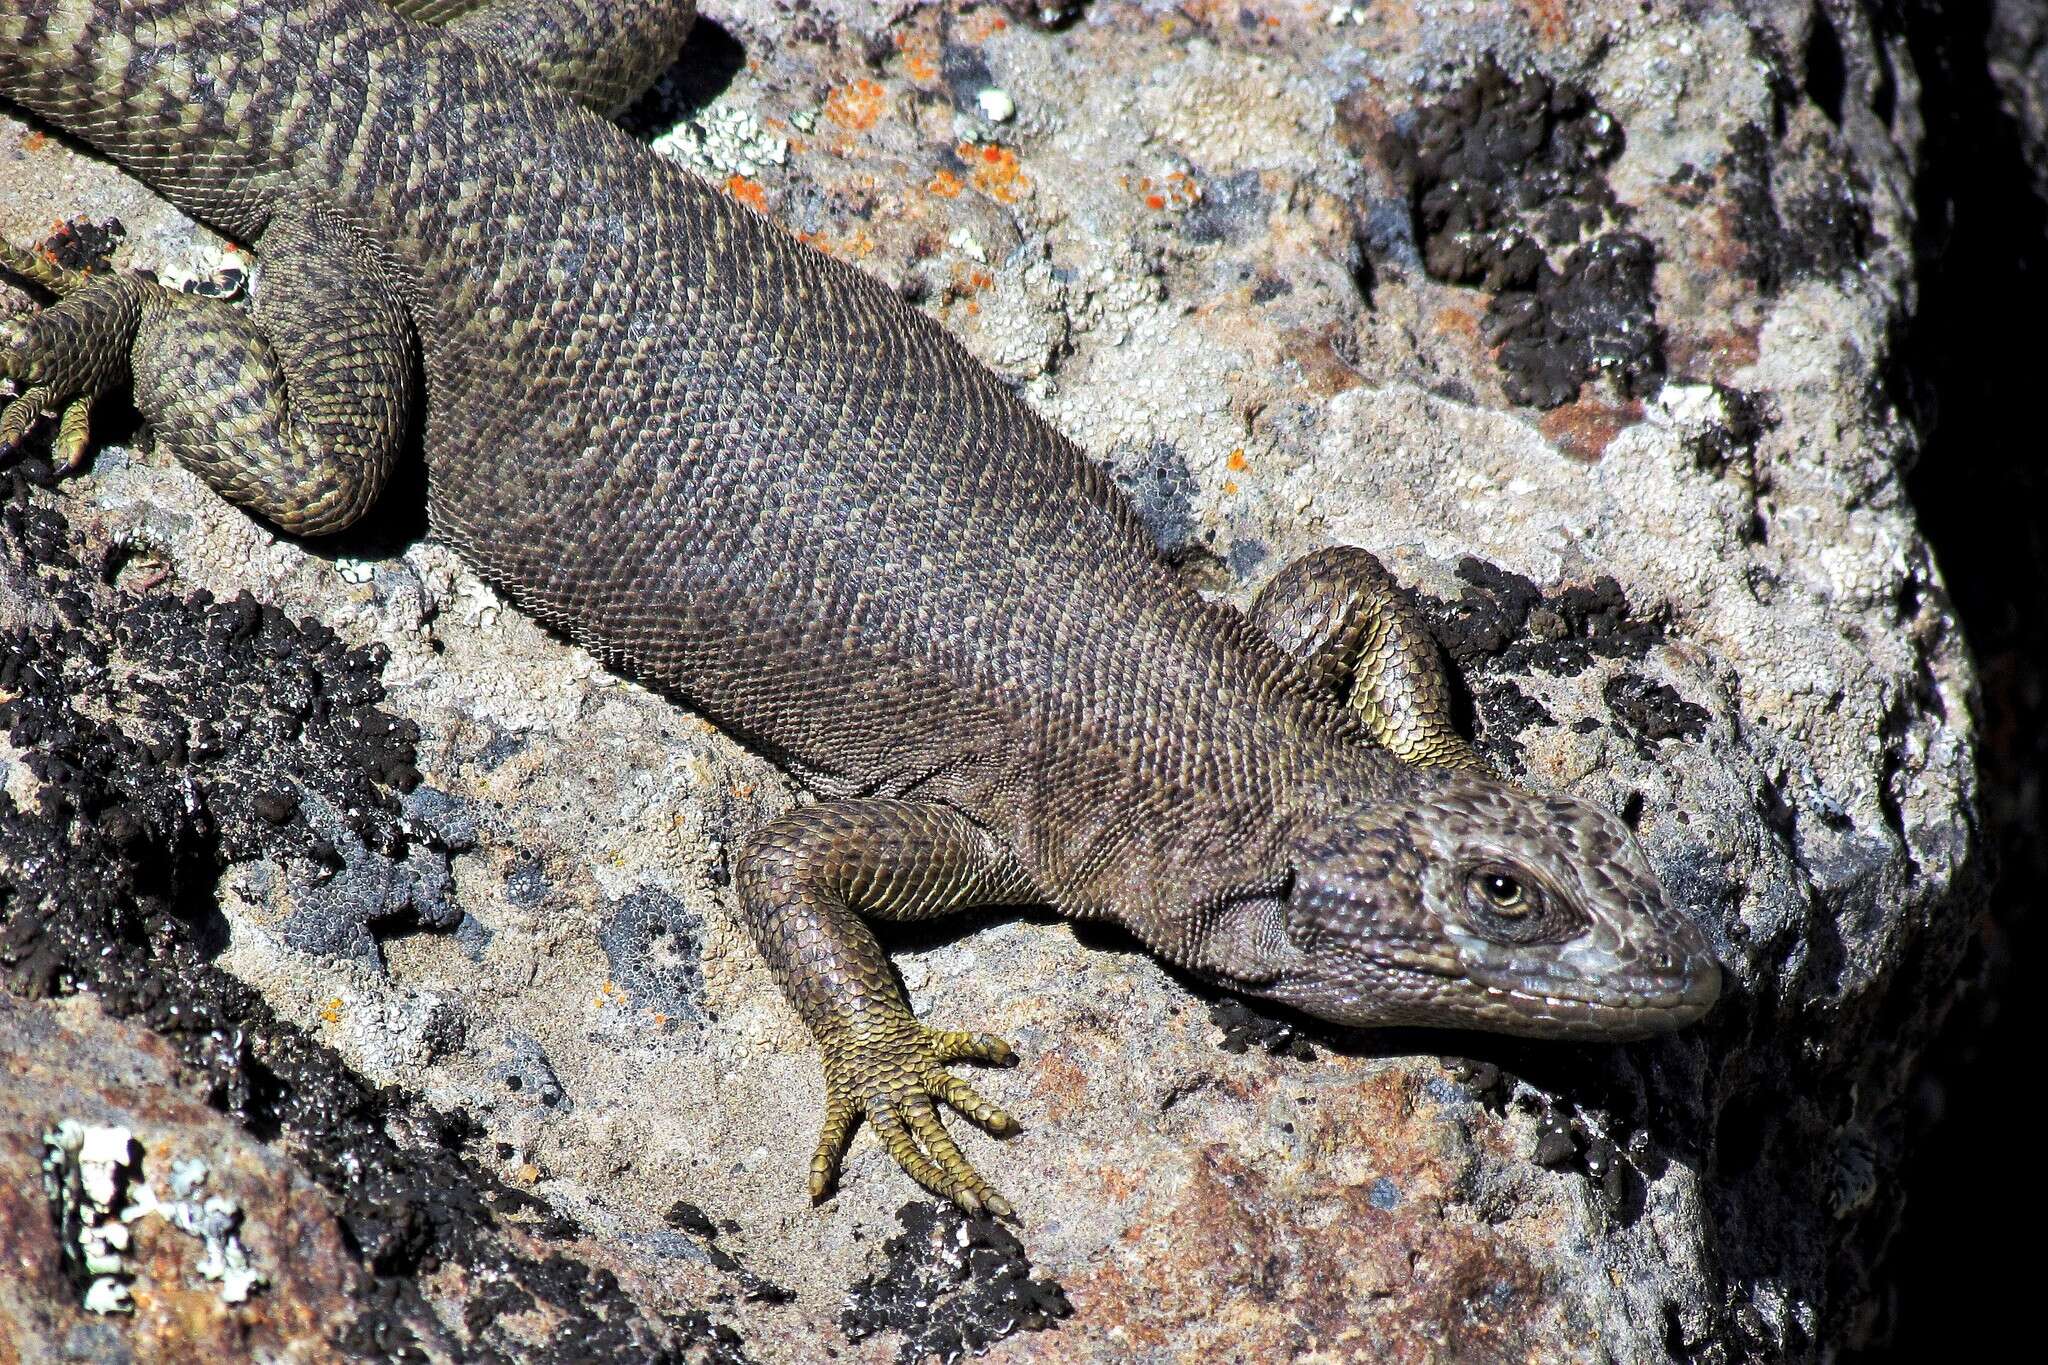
(804, 882)
(1339, 613)
(61, 358)
(294, 410)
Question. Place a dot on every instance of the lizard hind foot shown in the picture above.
(893, 1075)
(60, 358)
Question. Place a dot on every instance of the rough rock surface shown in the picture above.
(1584, 316)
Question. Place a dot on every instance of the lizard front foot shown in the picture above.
(891, 1072)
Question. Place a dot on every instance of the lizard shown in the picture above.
(754, 478)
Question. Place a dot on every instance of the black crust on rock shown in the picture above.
(952, 1285)
(1507, 175)
(106, 888)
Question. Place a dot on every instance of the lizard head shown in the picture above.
(1470, 903)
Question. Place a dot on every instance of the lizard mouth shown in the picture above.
(1617, 1006)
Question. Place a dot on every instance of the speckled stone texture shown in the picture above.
(1585, 318)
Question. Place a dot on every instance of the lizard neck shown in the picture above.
(1234, 754)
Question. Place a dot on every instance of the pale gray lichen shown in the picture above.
(723, 140)
(90, 1178)
(216, 1221)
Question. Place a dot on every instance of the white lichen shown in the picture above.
(90, 1174)
(995, 104)
(86, 1167)
(723, 140)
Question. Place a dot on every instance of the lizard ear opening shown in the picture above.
(1250, 945)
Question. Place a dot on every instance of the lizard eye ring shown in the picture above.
(1511, 904)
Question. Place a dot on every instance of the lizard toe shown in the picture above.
(893, 1076)
(19, 417)
(958, 1046)
(841, 1119)
(963, 1097)
(962, 1183)
(60, 358)
(894, 1130)
(74, 434)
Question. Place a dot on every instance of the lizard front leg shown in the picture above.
(1339, 612)
(804, 882)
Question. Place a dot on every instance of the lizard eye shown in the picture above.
(1503, 893)
(1511, 906)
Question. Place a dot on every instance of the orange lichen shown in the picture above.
(33, 142)
(856, 105)
(855, 246)
(1176, 190)
(978, 25)
(1237, 460)
(330, 1013)
(748, 192)
(1230, 488)
(1551, 20)
(920, 57)
(946, 185)
(993, 169)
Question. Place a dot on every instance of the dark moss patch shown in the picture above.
(1503, 622)
(85, 245)
(1509, 190)
(1245, 1028)
(1653, 711)
(952, 1285)
(105, 888)
(1822, 229)
(1746, 417)
(687, 1218)
(1503, 626)
(1595, 315)
(1505, 712)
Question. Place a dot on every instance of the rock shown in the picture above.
(1581, 317)
(65, 1063)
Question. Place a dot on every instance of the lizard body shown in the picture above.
(748, 474)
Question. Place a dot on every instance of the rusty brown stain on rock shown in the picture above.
(1323, 370)
(1059, 1082)
(1714, 355)
(1329, 1241)
(1584, 428)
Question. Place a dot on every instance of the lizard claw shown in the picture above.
(892, 1074)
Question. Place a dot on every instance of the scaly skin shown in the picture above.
(746, 473)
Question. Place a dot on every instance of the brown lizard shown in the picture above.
(749, 474)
